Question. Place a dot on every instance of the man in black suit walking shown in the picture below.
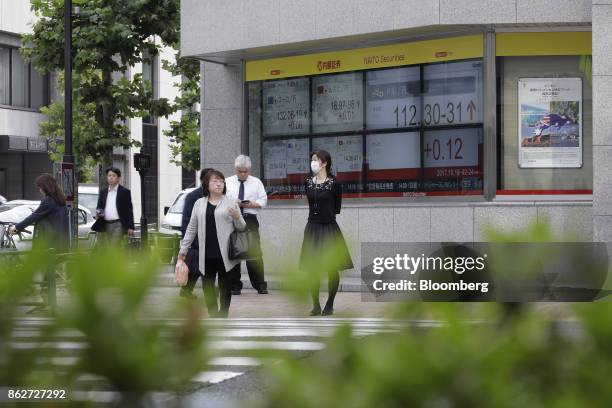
(114, 212)
(192, 259)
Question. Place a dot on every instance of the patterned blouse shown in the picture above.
(324, 200)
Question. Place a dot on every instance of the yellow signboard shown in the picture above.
(439, 50)
(554, 43)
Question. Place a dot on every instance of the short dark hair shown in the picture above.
(324, 156)
(210, 174)
(203, 173)
(114, 170)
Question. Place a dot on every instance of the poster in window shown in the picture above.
(452, 93)
(346, 153)
(393, 98)
(286, 160)
(550, 122)
(286, 107)
(337, 103)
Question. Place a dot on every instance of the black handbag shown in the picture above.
(243, 245)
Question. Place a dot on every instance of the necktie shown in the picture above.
(241, 194)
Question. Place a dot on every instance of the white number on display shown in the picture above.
(337, 102)
(451, 148)
(453, 93)
(285, 107)
(393, 98)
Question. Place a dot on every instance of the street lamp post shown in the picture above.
(68, 157)
(142, 163)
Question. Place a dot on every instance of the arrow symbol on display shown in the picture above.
(471, 108)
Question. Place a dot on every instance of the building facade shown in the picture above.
(443, 118)
(23, 155)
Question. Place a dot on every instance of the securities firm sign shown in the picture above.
(438, 50)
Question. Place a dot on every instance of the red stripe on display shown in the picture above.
(394, 174)
(543, 192)
(389, 194)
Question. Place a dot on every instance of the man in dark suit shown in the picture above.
(114, 212)
(192, 259)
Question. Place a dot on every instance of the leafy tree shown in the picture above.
(109, 36)
(184, 133)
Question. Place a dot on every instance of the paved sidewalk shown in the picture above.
(277, 303)
(348, 283)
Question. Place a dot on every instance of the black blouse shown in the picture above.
(324, 200)
(212, 250)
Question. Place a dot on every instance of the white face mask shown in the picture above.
(315, 166)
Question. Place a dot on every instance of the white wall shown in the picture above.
(208, 27)
(19, 122)
(169, 184)
(136, 134)
(169, 173)
(15, 16)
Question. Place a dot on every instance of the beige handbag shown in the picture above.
(181, 272)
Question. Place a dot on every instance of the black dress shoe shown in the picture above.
(236, 292)
(327, 311)
(316, 311)
(263, 291)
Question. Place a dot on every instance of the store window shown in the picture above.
(20, 84)
(411, 130)
(39, 89)
(544, 125)
(19, 81)
(5, 76)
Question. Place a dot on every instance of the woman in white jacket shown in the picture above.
(213, 219)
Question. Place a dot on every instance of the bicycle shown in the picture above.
(6, 237)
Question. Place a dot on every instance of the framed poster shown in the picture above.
(286, 107)
(285, 159)
(346, 151)
(550, 122)
(337, 103)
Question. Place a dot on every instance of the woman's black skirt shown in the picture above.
(324, 247)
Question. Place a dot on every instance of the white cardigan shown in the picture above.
(225, 226)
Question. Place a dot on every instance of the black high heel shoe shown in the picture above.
(327, 311)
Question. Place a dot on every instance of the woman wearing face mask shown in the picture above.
(322, 233)
(213, 219)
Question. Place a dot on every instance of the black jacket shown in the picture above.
(124, 208)
(190, 200)
(51, 221)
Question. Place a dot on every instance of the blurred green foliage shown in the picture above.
(527, 361)
(458, 354)
(124, 347)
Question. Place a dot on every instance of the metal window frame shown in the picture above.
(46, 85)
(488, 127)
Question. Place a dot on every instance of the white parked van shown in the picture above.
(171, 224)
